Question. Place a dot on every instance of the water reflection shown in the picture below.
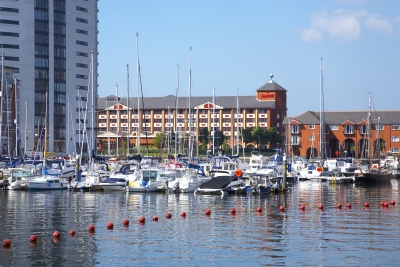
(328, 236)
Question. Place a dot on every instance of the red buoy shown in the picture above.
(142, 219)
(302, 207)
(366, 204)
(110, 225)
(33, 238)
(381, 203)
(282, 208)
(6, 243)
(385, 204)
(259, 209)
(392, 202)
(168, 216)
(125, 223)
(56, 234)
(233, 211)
(72, 232)
(321, 207)
(155, 218)
(348, 205)
(91, 228)
(183, 214)
(339, 206)
(208, 212)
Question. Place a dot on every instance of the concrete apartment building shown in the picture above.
(47, 47)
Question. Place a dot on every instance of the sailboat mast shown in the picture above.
(369, 129)
(117, 118)
(189, 104)
(26, 122)
(237, 122)
(92, 139)
(321, 125)
(127, 111)
(16, 117)
(176, 117)
(213, 123)
(1, 101)
(138, 88)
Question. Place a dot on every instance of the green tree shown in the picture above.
(247, 135)
(203, 135)
(273, 136)
(259, 136)
(159, 139)
(225, 147)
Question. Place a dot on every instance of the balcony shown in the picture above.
(295, 143)
(227, 133)
(124, 124)
(113, 117)
(226, 125)
(228, 116)
(124, 116)
(203, 116)
(294, 132)
(262, 115)
(250, 116)
(102, 116)
(348, 132)
(203, 124)
(157, 116)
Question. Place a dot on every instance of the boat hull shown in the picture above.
(113, 186)
(47, 186)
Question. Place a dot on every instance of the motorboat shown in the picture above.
(47, 182)
(114, 183)
(149, 180)
(217, 185)
(19, 178)
(186, 181)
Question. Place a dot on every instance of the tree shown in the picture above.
(273, 136)
(159, 139)
(259, 136)
(247, 135)
(203, 135)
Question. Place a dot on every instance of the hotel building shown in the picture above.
(47, 49)
(266, 108)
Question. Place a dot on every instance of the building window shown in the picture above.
(312, 126)
(9, 9)
(41, 50)
(363, 129)
(81, 54)
(59, 17)
(82, 31)
(395, 139)
(277, 116)
(82, 43)
(295, 140)
(263, 111)
(9, 46)
(81, 76)
(41, 62)
(395, 150)
(294, 129)
(334, 127)
(11, 58)
(6, 21)
(379, 127)
(80, 65)
(250, 111)
(12, 34)
(312, 138)
(348, 129)
(81, 87)
(41, 15)
(395, 127)
(278, 125)
(82, 20)
(81, 9)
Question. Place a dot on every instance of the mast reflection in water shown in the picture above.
(314, 237)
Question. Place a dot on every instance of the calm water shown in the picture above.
(330, 237)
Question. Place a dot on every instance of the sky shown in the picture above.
(236, 45)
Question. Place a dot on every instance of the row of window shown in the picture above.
(12, 34)
(7, 21)
(9, 9)
(11, 46)
(347, 128)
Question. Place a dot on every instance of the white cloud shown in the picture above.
(339, 25)
(379, 24)
(343, 25)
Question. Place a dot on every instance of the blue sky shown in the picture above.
(238, 44)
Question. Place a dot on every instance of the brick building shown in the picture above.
(346, 133)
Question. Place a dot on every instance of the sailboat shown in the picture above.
(374, 173)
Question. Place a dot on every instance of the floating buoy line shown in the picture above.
(141, 220)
